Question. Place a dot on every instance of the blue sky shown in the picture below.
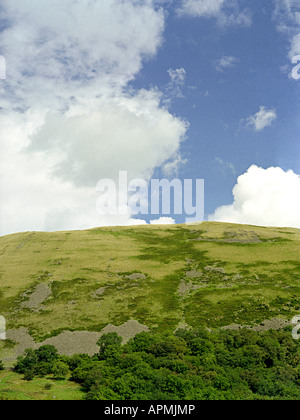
(218, 101)
(202, 87)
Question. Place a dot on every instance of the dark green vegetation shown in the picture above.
(190, 365)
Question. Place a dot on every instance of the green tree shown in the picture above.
(76, 360)
(60, 370)
(110, 346)
(28, 362)
(47, 354)
(29, 374)
(141, 342)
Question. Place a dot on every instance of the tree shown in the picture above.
(76, 360)
(37, 362)
(169, 345)
(47, 354)
(27, 362)
(141, 342)
(109, 339)
(29, 374)
(110, 346)
(60, 370)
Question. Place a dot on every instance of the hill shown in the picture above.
(68, 288)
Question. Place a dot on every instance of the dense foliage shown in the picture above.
(192, 364)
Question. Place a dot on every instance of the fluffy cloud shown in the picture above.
(171, 168)
(76, 48)
(262, 119)
(227, 12)
(163, 221)
(132, 134)
(68, 117)
(287, 14)
(264, 197)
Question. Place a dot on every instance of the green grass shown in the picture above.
(237, 282)
(75, 264)
(14, 387)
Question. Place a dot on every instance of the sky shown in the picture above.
(183, 89)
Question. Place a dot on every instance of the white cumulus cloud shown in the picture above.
(264, 197)
(58, 50)
(263, 118)
(227, 12)
(133, 134)
(68, 117)
(163, 221)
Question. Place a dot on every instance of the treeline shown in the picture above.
(191, 365)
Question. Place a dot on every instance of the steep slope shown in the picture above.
(162, 277)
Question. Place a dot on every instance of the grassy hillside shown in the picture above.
(211, 275)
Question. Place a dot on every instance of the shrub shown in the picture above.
(60, 370)
(193, 364)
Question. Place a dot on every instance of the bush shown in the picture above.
(37, 362)
(190, 365)
(110, 346)
(60, 370)
(47, 354)
(29, 374)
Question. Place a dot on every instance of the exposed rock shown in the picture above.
(127, 330)
(69, 343)
(214, 269)
(99, 292)
(40, 294)
(193, 274)
(136, 276)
